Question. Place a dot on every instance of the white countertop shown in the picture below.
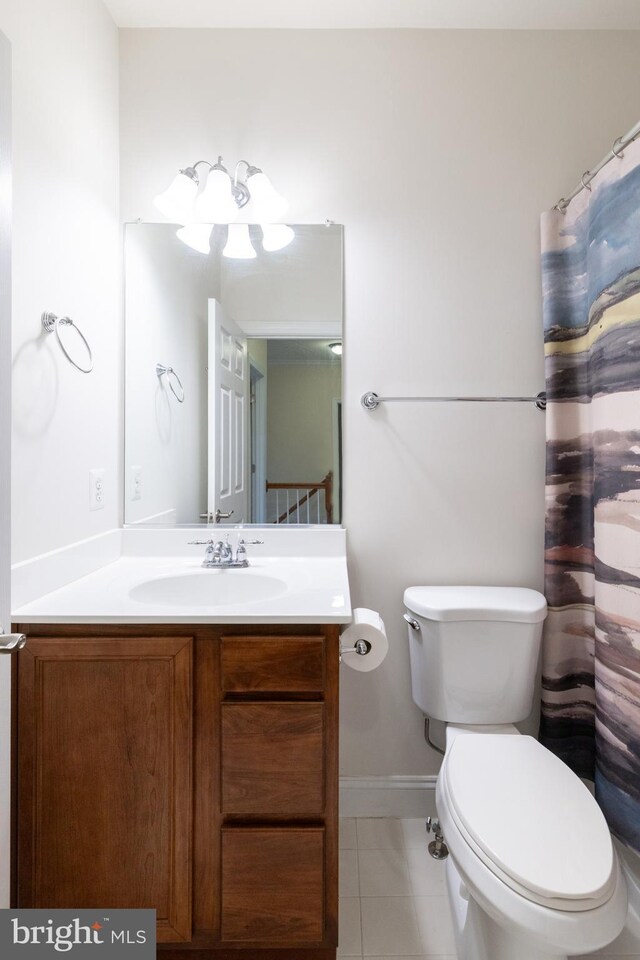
(308, 588)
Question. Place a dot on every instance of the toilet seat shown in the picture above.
(530, 820)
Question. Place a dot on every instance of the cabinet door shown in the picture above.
(104, 776)
(273, 886)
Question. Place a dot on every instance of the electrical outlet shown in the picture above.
(135, 477)
(96, 489)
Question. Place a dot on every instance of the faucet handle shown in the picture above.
(224, 549)
(241, 551)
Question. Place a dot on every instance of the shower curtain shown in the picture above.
(591, 645)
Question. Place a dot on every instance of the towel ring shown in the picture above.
(172, 379)
(51, 324)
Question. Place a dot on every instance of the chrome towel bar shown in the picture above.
(370, 401)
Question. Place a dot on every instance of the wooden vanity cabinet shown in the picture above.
(191, 769)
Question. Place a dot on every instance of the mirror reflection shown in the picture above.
(233, 379)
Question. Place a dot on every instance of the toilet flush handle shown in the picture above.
(412, 623)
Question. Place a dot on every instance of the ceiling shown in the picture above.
(470, 14)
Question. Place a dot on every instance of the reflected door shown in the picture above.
(228, 418)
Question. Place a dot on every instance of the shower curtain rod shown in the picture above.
(616, 151)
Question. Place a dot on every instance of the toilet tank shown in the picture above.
(474, 651)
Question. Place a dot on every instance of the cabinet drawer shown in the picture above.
(273, 664)
(273, 885)
(273, 759)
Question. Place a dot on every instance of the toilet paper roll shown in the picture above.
(368, 626)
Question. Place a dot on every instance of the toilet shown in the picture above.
(532, 872)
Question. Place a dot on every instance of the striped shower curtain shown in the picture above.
(591, 646)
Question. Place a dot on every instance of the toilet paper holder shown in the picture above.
(360, 647)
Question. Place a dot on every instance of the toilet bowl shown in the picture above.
(530, 846)
(532, 872)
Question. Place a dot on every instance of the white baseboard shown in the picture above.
(387, 796)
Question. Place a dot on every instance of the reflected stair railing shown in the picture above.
(302, 508)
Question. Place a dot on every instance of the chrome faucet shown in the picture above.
(219, 553)
(224, 552)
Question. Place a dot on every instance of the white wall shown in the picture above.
(437, 150)
(166, 303)
(65, 259)
(300, 420)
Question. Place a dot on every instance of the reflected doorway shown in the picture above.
(258, 440)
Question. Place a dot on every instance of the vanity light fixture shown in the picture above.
(336, 348)
(276, 236)
(178, 199)
(238, 245)
(197, 201)
(197, 236)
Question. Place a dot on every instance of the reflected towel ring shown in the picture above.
(172, 379)
(51, 324)
(587, 185)
(561, 206)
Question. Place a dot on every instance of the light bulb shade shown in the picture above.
(216, 204)
(197, 236)
(276, 236)
(238, 245)
(268, 204)
(176, 203)
(336, 348)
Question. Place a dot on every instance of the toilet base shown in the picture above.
(477, 936)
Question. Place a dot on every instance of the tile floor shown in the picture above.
(393, 901)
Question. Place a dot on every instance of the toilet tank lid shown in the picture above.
(515, 604)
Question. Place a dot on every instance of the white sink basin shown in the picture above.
(209, 588)
(299, 577)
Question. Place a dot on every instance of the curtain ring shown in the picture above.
(614, 151)
(587, 185)
(561, 206)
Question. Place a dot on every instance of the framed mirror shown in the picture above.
(233, 379)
